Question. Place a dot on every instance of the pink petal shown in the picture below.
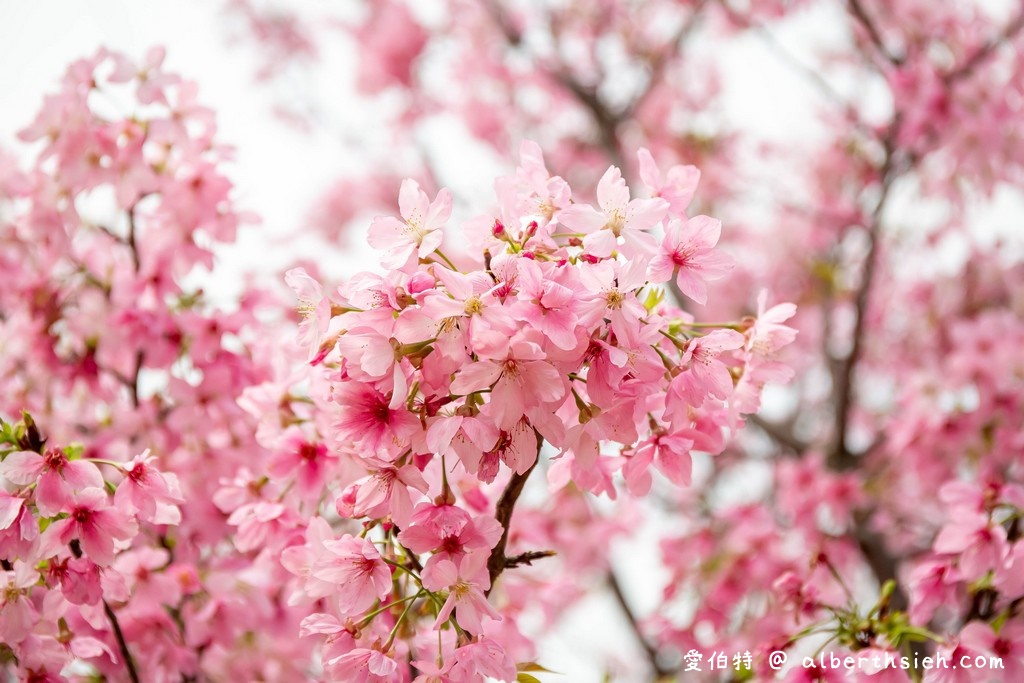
(22, 467)
(692, 285)
(705, 231)
(412, 202)
(612, 193)
(649, 173)
(582, 218)
(440, 575)
(474, 377)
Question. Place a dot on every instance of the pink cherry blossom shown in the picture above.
(154, 495)
(419, 230)
(688, 252)
(57, 478)
(679, 186)
(516, 375)
(94, 523)
(465, 583)
(619, 217)
(355, 566)
(364, 666)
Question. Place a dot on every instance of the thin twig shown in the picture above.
(673, 48)
(131, 239)
(650, 651)
(812, 75)
(122, 644)
(782, 434)
(606, 121)
(840, 457)
(975, 60)
(527, 558)
(860, 13)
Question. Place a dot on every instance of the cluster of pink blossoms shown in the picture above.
(450, 373)
(61, 529)
(105, 342)
(908, 382)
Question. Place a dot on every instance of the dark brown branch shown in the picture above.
(781, 434)
(133, 385)
(673, 48)
(122, 644)
(812, 75)
(650, 651)
(883, 563)
(839, 457)
(861, 15)
(496, 563)
(606, 122)
(136, 261)
(985, 51)
(527, 558)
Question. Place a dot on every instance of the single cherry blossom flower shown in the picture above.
(94, 523)
(619, 217)
(420, 230)
(687, 250)
(57, 476)
(465, 583)
(153, 494)
(679, 185)
(356, 568)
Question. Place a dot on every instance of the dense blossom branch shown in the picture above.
(339, 492)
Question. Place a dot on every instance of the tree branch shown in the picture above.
(975, 60)
(839, 457)
(781, 434)
(882, 562)
(497, 562)
(650, 651)
(136, 261)
(861, 15)
(527, 558)
(606, 122)
(656, 65)
(122, 644)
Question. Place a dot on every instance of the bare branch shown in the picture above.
(115, 625)
(839, 457)
(1010, 32)
(497, 562)
(781, 434)
(861, 15)
(650, 651)
(527, 558)
(122, 645)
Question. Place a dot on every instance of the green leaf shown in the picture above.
(527, 678)
(655, 296)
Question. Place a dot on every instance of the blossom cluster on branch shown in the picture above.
(417, 474)
(428, 394)
(109, 350)
(448, 374)
(872, 508)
